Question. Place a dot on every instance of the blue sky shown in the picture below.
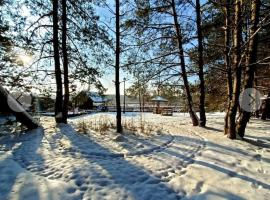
(109, 76)
(107, 80)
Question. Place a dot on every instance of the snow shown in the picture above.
(173, 161)
(160, 99)
(5, 119)
(97, 98)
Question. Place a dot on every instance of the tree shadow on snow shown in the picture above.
(221, 149)
(111, 174)
(213, 129)
(214, 195)
(131, 180)
(100, 172)
(15, 180)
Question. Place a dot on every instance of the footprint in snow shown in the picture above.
(258, 157)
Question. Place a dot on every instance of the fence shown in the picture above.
(146, 108)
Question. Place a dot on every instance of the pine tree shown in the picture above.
(65, 61)
(227, 59)
(200, 64)
(117, 66)
(191, 111)
(250, 65)
(237, 66)
(58, 73)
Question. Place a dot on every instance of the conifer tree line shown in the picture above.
(210, 50)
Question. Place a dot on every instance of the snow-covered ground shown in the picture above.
(174, 161)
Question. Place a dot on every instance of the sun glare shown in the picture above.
(26, 59)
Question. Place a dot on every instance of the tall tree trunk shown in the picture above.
(140, 100)
(23, 116)
(192, 113)
(201, 64)
(257, 112)
(237, 40)
(143, 102)
(227, 59)
(58, 77)
(266, 108)
(250, 68)
(65, 61)
(117, 67)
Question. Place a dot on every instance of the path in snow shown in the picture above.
(92, 171)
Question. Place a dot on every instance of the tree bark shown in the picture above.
(192, 113)
(143, 102)
(65, 60)
(257, 113)
(266, 108)
(250, 68)
(227, 59)
(140, 100)
(201, 65)
(237, 40)
(117, 67)
(58, 78)
(23, 116)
